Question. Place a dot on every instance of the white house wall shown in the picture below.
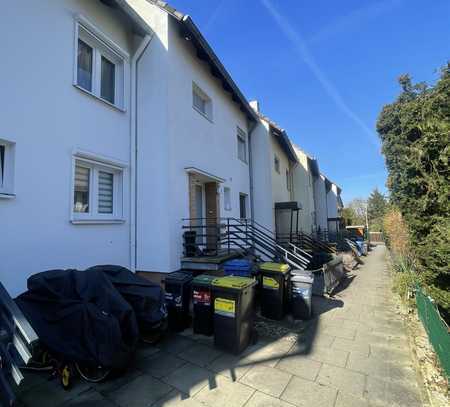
(262, 163)
(173, 136)
(195, 141)
(153, 184)
(47, 117)
(280, 192)
(304, 191)
(320, 202)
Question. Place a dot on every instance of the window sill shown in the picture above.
(4, 195)
(120, 109)
(202, 114)
(97, 221)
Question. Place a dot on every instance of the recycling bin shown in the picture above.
(233, 312)
(301, 294)
(238, 267)
(178, 294)
(275, 290)
(202, 300)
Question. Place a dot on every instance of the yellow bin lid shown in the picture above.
(277, 267)
(238, 283)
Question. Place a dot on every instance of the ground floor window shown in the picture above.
(243, 206)
(97, 191)
(7, 151)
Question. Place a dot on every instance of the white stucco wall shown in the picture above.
(262, 162)
(320, 202)
(332, 207)
(174, 136)
(304, 191)
(280, 192)
(47, 118)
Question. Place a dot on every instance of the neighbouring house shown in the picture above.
(127, 124)
(303, 181)
(320, 204)
(273, 161)
(334, 209)
(193, 131)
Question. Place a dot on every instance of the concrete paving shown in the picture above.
(354, 352)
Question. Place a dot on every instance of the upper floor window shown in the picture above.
(276, 164)
(201, 102)
(7, 151)
(97, 191)
(288, 180)
(227, 198)
(242, 145)
(99, 68)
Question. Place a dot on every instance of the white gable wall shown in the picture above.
(304, 191)
(320, 202)
(47, 118)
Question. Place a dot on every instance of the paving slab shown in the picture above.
(264, 400)
(268, 353)
(231, 366)
(90, 398)
(346, 381)
(381, 392)
(190, 379)
(266, 379)
(177, 399)
(160, 365)
(304, 393)
(351, 346)
(346, 400)
(226, 393)
(142, 391)
(200, 354)
(176, 344)
(300, 366)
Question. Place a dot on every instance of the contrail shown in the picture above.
(299, 45)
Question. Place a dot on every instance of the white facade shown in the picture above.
(49, 121)
(271, 171)
(334, 207)
(174, 136)
(320, 203)
(303, 180)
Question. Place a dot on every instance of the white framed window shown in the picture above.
(227, 198)
(99, 65)
(97, 192)
(242, 145)
(276, 163)
(201, 102)
(7, 157)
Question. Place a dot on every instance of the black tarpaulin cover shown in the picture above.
(146, 298)
(81, 317)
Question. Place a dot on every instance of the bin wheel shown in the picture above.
(66, 377)
(92, 374)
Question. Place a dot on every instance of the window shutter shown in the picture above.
(105, 192)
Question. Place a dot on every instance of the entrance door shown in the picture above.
(199, 213)
(212, 216)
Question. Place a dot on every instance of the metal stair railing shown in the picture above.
(262, 236)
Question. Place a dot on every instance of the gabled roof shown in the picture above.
(191, 33)
(281, 136)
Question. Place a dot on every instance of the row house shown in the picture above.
(123, 130)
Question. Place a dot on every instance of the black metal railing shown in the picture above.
(213, 237)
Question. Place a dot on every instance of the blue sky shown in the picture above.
(323, 69)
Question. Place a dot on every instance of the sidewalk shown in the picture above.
(354, 353)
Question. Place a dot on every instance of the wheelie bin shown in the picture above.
(234, 312)
(178, 295)
(202, 300)
(275, 290)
